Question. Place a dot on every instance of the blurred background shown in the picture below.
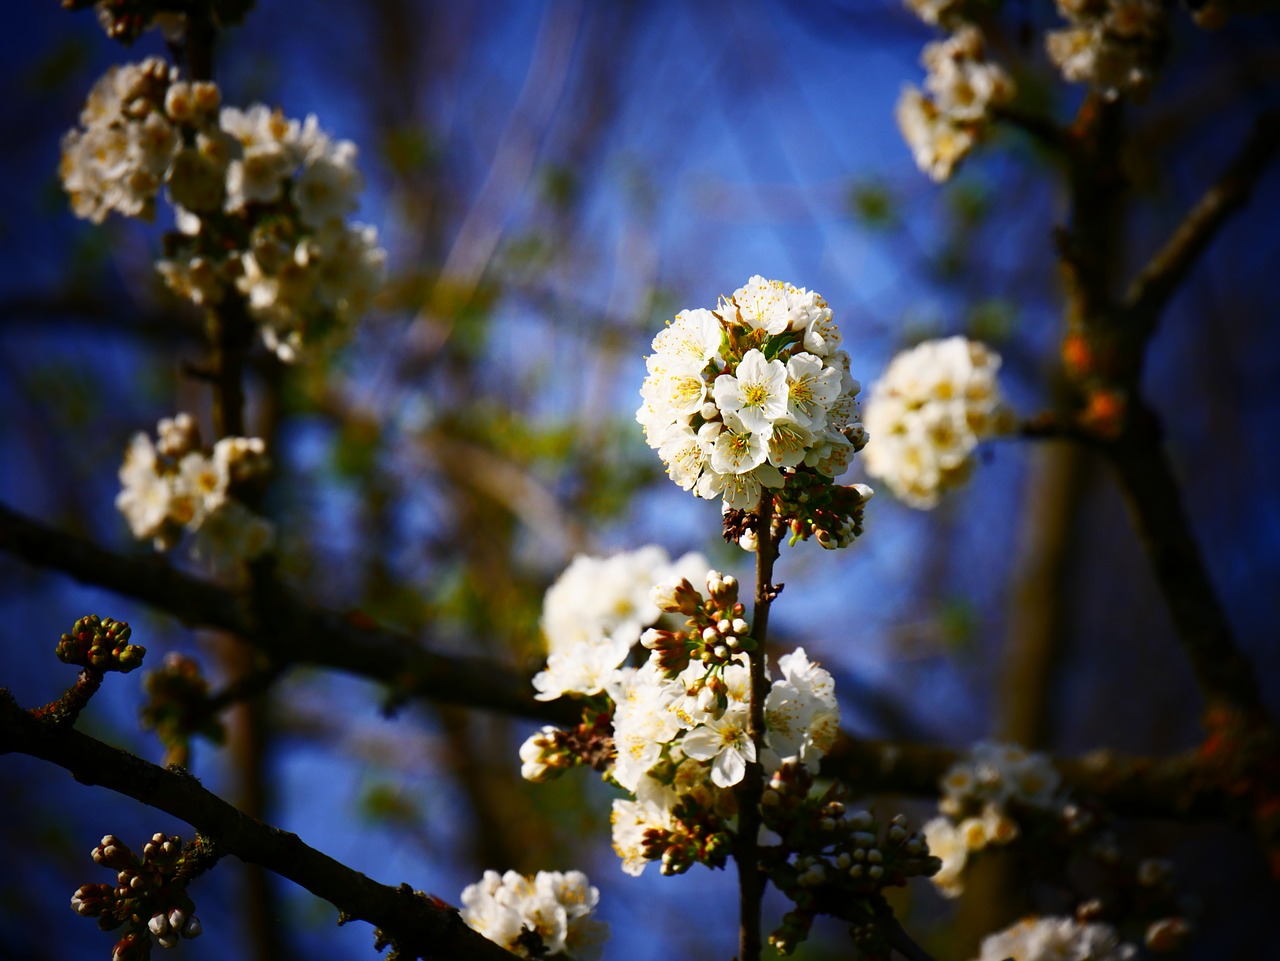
(551, 182)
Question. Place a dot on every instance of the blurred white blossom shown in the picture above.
(548, 914)
(927, 414)
(1055, 939)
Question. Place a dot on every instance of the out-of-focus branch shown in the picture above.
(421, 925)
(1160, 278)
(1146, 477)
(1177, 787)
(289, 630)
(1041, 129)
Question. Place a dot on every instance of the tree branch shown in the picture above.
(1146, 477)
(1160, 278)
(289, 630)
(422, 926)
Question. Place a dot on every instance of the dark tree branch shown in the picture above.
(287, 629)
(422, 926)
(1174, 787)
(1160, 278)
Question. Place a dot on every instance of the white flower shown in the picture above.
(738, 449)
(735, 396)
(145, 494)
(936, 143)
(802, 716)
(586, 668)
(644, 720)
(691, 341)
(630, 821)
(811, 388)
(723, 741)
(609, 597)
(118, 157)
(1056, 939)
(947, 843)
(1113, 45)
(757, 395)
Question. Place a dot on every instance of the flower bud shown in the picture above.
(159, 925)
(1167, 934)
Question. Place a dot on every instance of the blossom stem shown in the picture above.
(750, 879)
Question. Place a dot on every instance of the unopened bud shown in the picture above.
(1167, 934)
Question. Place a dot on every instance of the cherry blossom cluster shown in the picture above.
(534, 917)
(174, 484)
(261, 200)
(120, 156)
(927, 414)
(1052, 939)
(833, 860)
(981, 795)
(1113, 45)
(149, 897)
(746, 397)
(943, 123)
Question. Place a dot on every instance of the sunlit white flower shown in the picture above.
(725, 742)
(611, 597)
(586, 668)
(801, 714)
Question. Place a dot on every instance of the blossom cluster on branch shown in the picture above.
(174, 485)
(1115, 46)
(260, 200)
(738, 395)
(982, 796)
(942, 124)
(1049, 938)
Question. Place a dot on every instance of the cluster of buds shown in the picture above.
(552, 751)
(849, 859)
(829, 513)
(716, 632)
(1130, 890)
(698, 836)
(101, 645)
(127, 20)
(177, 705)
(149, 896)
(261, 201)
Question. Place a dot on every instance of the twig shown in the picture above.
(899, 940)
(750, 879)
(1160, 278)
(424, 925)
(1147, 480)
(1041, 129)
